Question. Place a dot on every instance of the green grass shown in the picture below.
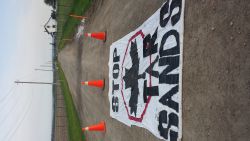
(74, 125)
(66, 26)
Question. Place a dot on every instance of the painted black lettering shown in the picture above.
(149, 45)
(170, 120)
(174, 50)
(165, 10)
(149, 91)
(150, 70)
(116, 70)
(114, 87)
(115, 104)
(171, 63)
(115, 57)
(166, 99)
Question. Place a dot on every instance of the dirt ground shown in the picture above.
(216, 69)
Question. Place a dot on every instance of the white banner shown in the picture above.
(145, 74)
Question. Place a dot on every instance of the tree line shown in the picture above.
(50, 3)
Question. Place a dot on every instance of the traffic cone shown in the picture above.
(94, 83)
(77, 17)
(97, 35)
(97, 127)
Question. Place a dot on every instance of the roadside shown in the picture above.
(66, 25)
(67, 123)
(61, 122)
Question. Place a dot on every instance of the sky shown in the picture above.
(25, 110)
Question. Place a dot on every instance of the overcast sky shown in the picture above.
(22, 33)
(25, 110)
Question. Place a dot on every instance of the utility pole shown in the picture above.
(43, 70)
(45, 66)
(32, 82)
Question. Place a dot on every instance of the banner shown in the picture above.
(145, 74)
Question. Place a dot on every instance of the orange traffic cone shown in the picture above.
(97, 127)
(95, 83)
(97, 35)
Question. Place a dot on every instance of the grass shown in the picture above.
(66, 25)
(74, 125)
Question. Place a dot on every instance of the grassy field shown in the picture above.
(74, 125)
(66, 26)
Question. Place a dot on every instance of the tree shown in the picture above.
(53, 15)
(50, 3)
